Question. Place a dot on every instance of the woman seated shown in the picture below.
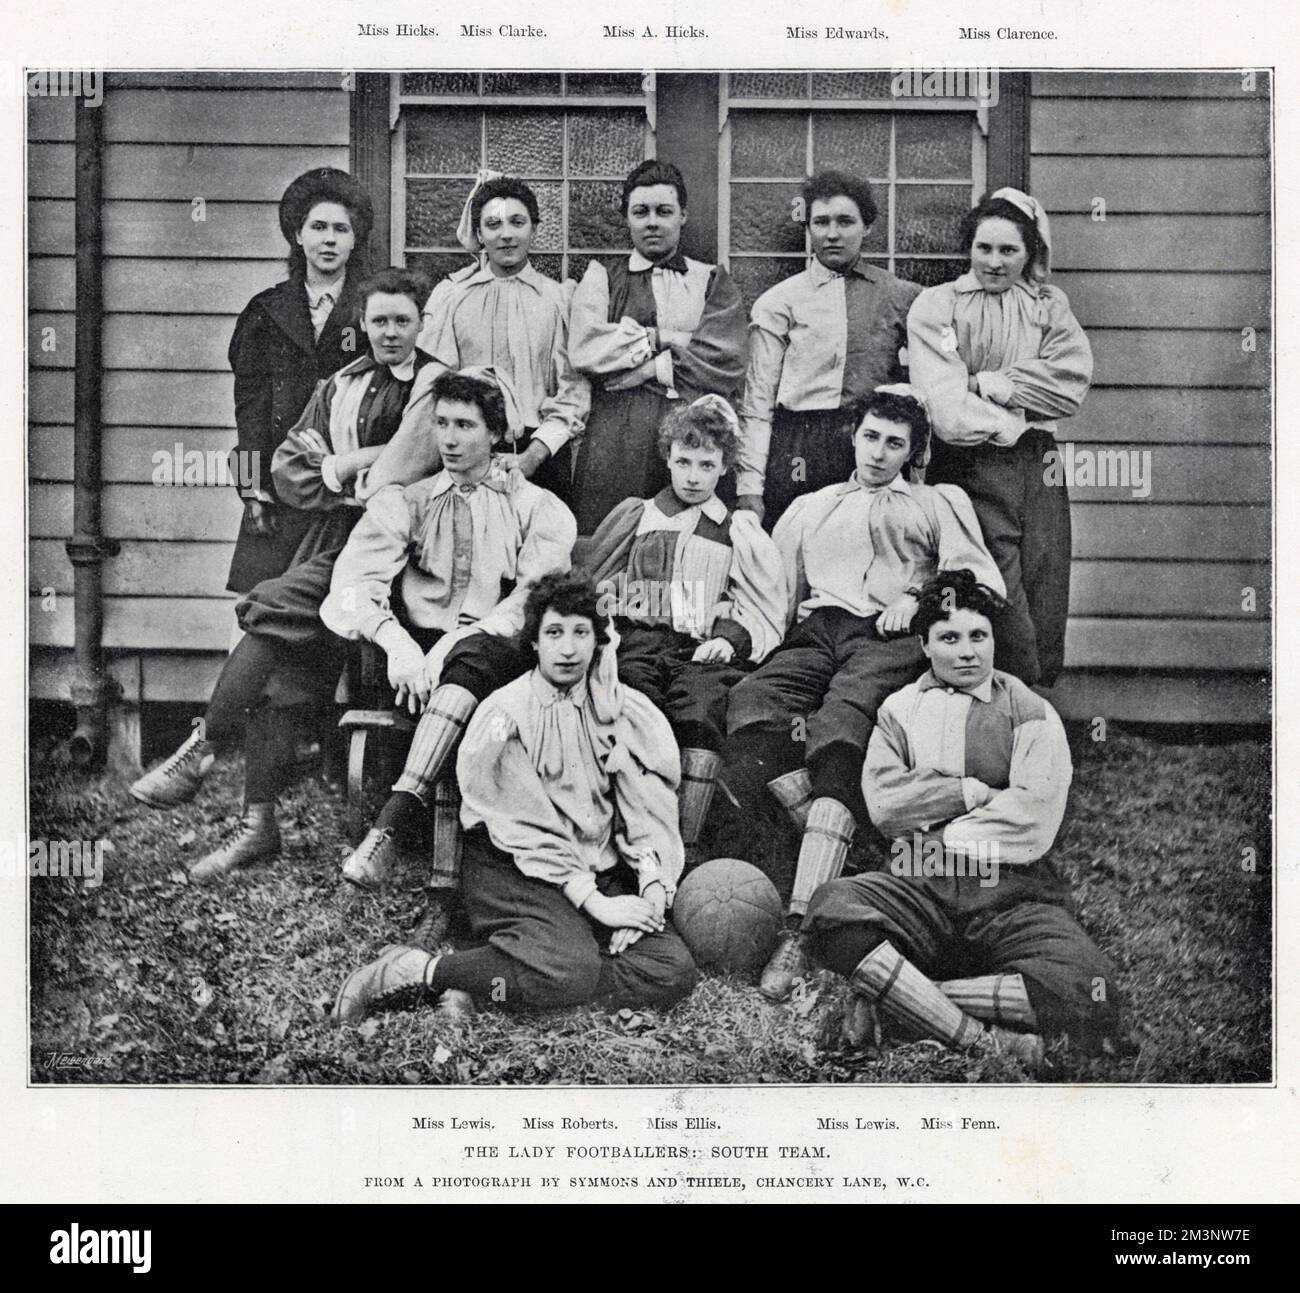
(288, 662)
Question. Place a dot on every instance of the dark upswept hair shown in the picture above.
(991, 208)
(955, 590)
(505, 187)
(326, 184)
(700, 427)
(833, 184)
(393, 281)
(650, 173)
(566, 592)
(906, 409)
(486, 397)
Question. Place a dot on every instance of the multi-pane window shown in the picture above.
(571, 137)
(924, 163)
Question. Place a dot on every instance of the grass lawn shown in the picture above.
(161, 981)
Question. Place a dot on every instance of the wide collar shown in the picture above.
(403, 372)
(638, 264)
(548, 694)
(497, 479)
(670, 505)
(286, 305)
(820, 275)
(969, 283)
(528, 275)
(898, 486)
(983, 692)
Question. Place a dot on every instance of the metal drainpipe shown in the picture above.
(92, 689)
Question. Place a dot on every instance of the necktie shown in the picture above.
(462, 543)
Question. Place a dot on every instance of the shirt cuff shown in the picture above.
(578, 888)
(975, 793)
(329, 473)
(749, 482)
(258, 495)
(554, 436)
(664, 369)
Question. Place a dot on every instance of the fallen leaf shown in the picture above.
(441, 1055)
(410, 1076)
(369, 1028)
(187, 839)
(107, 1021)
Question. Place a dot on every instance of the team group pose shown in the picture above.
(616, 552)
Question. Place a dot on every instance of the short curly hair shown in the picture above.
(486, 397)
(394, 280)
(955, 590)
(650, 173)
(833, 184)
(504, 187)
(566, 592)
(705, 427)
(894, 407)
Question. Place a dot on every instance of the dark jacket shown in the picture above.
(278, 364)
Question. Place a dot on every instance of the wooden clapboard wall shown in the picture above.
(1165, 285)
(173, 288)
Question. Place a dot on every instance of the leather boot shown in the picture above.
(399, 977)
(176, 780)
(788, 963)
(256, 839)
(367, 866)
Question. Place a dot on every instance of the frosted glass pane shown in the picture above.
(928, 216)
(521, 83)
(596, 215)
(769, 145)
(548, 265)
(604, 83)
(753, 275)
(529, 141)
(930, 273)
(439, 83)
(609, 142)
(433, 210)
(436, 265)
(443, 141)
(769, 85)
(550, 234)
(857, 142)
(760, 218)
(578, 263)
(852, 85)
(934, 145)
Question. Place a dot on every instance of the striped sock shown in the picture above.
(793, 792)
(445, 872)
(995, 998)
(898, 988)
(821, 855)
(699, 777)
(437, 735)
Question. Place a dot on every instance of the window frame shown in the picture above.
(646, 101)
(810, 106)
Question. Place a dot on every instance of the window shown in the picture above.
(925, 163)
(572, 137)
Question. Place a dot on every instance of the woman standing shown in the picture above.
(999, 356)
(819, 343)
(506, 316)
(288, 339)
(649, 330)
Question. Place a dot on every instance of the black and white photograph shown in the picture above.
(671, 578)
